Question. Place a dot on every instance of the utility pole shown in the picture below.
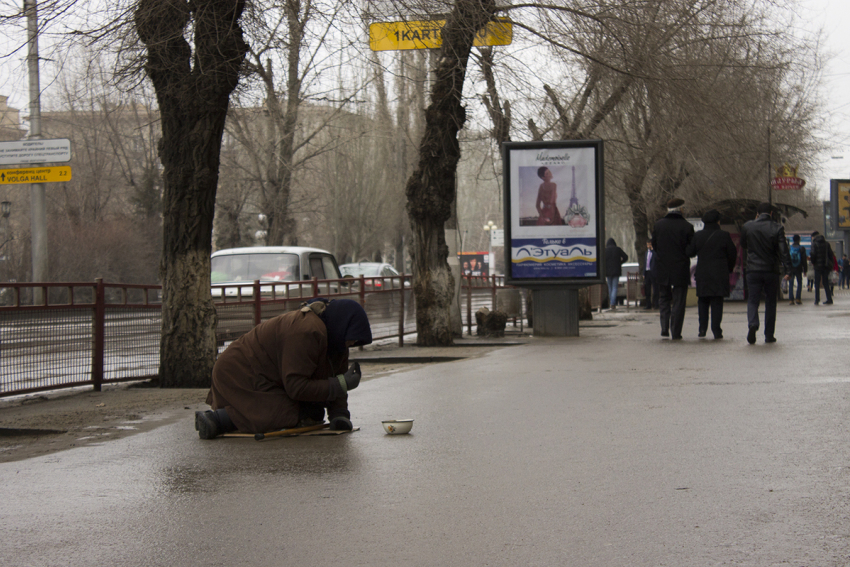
(38, 220)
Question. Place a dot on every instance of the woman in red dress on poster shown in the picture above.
(547, 197)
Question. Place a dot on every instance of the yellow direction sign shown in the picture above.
(843, 197)
(398, 36)
(35, 175)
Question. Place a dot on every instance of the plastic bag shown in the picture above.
(784, 286)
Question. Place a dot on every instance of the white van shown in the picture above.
(234, 270)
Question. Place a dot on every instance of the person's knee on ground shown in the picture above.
(310, 413)
(340, 420)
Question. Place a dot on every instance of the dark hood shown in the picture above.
(610, 242)
(346, 320)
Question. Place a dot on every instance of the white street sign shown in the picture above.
(497, 237)
(35, 151)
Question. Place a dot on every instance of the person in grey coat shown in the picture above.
(716, 256)
(670, 239)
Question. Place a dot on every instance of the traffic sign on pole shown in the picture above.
(35, 151)
(35, 175)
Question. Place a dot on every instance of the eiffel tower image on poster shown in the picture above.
(576, 215)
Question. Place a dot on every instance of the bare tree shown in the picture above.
(431, 188)
(193, 83)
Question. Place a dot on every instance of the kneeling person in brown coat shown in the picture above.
(287, 371)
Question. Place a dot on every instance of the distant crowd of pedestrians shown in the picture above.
(770, 265)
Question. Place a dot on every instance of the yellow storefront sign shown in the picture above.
(35, 175)
(843, 220)
(398, 36)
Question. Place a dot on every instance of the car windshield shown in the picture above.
(356, 270)
(250, 267)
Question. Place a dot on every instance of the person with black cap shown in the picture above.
(716, 256)
(766, 249)
(288, 371)
(670, 239)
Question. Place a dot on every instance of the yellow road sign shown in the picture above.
(398, 36)
(35, 175)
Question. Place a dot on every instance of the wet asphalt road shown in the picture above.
(616, 448)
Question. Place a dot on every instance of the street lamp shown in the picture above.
(489, 228)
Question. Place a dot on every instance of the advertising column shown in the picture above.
(554, 218)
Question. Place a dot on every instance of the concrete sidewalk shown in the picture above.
(615, 448)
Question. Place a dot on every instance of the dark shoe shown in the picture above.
(792, 304)
(701, 334)
(679, 338)
(769, 340)
(206, 424)
(828, 302)
(341, 424)
(665, 334)
(799, 302)
(816, 303)
(751, 335)
(718, 336)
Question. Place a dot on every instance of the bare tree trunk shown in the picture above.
(281, 223)
(431, 188)
(193, 91)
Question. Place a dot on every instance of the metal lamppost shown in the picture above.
(489, 228)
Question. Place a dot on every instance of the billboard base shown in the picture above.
(556, 312)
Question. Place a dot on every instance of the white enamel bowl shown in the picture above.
(397, 426)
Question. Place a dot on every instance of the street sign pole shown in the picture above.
(38, 219)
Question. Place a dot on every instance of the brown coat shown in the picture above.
(260, 378)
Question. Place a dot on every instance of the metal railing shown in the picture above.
(60, 335)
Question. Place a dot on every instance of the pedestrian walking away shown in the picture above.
(615, 257)
(844, 282)
(799, 266)
(716, 256)
(823, 260)
(766, 249)
(671, 236)
(287, 371)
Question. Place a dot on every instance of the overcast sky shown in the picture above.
(833, 16)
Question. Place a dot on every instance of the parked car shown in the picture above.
(372, 273)
(234, 270)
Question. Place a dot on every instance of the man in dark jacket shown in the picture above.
(614, 259)
(822, 259)
(799, 266)
(766, 249)
(670, 239)
(716, 255)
